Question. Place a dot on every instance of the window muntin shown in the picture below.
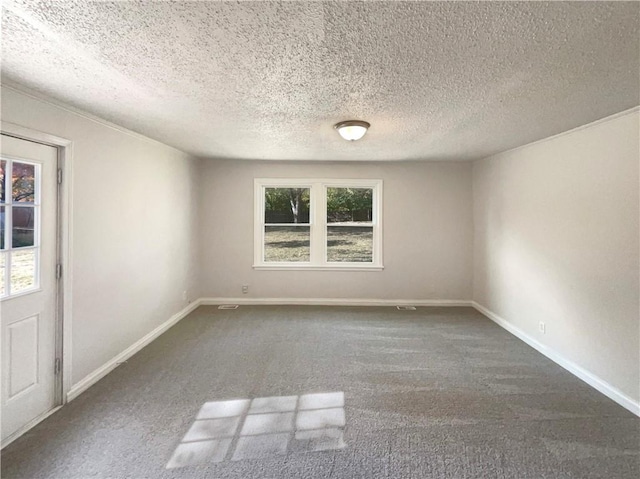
(19, 226)
(318, 224)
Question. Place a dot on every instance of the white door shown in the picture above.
(28, 285)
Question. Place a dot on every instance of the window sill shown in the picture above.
(307, 267)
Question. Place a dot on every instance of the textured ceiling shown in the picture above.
(267, 80)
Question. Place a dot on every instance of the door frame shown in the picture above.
(64, 302)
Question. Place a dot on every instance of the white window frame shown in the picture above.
(8, 205)
(317, 223)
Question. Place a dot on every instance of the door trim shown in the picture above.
(64, 257)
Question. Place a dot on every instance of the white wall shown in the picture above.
(557, 240)
(134, 211)
(427, 218)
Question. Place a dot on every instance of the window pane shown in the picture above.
(23, 270)
(3, 262)
(286, 205)
(3, 168)
(23, 226)
(2, 216)
(350, 244)
(286, 243)
(23, 181)
(349, 205)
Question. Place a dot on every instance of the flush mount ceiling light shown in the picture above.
(352, 130)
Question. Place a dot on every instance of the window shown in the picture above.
(318, 224)
(19, 236)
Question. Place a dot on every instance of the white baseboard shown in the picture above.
(591, 379)
(334, 301)
(110, 365)
(113, 363)
(588, 377)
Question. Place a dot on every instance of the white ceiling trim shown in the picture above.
(23, 90)
(606, 119)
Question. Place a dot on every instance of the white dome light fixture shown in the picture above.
(352, 130)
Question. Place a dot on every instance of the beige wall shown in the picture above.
(427, 232)
(557, 240)
(134, 203)
(548, 232)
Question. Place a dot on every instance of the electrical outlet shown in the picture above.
(245, 289)
(184, 296)
(541, 327)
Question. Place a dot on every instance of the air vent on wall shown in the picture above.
(406, 308)
(228, 306)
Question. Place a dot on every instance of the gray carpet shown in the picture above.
(319, 392)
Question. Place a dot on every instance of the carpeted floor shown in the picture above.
(319, 392)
